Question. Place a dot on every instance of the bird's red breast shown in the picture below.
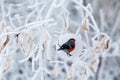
(71, 49)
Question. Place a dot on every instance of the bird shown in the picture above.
(70, 44)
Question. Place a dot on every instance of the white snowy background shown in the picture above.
(30, 32)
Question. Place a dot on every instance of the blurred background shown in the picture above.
(107, 14)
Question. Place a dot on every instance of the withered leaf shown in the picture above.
(4, 43)
(107, 44)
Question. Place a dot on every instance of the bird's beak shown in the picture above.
(59, 49)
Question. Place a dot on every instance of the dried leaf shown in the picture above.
(105, 42)
(25, 42)
(84, 25)
(7, 40)
(97, 47)
(7, 65)
(93, 65)
(70, 75)
(2, 26)
(55, 71)
(4, 43)
(67, 29)
(106, 46)
(67, 24)
(93, 62)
